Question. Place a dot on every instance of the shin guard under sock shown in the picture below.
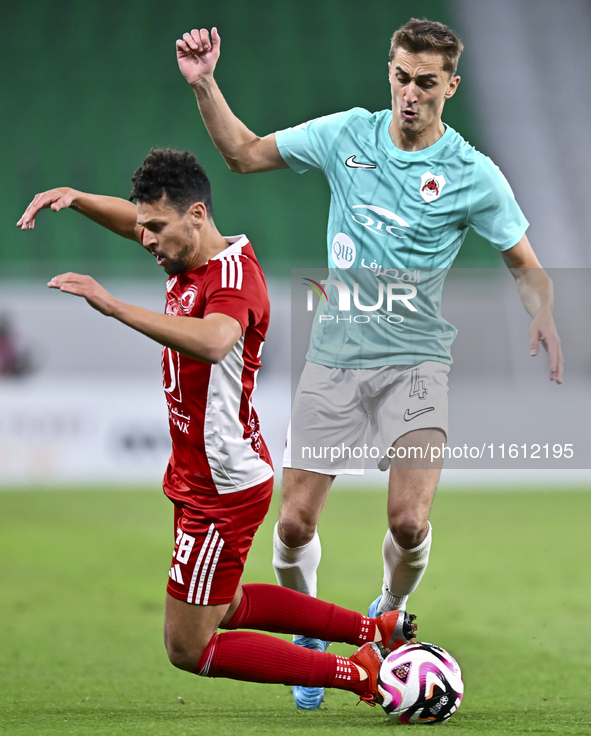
(295, 567)
(284, 611)
(254, 657)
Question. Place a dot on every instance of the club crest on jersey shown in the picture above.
(187, 300)
(431, 186)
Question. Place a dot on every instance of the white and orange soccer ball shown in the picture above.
(420, 683)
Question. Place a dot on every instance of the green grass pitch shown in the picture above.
(81, 598)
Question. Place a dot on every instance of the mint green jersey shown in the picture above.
(399, 216)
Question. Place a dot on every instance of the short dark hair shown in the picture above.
(177, 174)
(425, 35)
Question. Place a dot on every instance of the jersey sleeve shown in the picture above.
(234, 286)
(494, 213)
(307, 145)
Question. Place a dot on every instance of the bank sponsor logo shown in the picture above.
(343, 251)
(377, 269)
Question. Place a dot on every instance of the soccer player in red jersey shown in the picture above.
(220, 476)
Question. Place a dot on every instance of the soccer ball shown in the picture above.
(420, 683)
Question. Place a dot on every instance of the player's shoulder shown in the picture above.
(234, 266)
(459, 152)
(358, 116)
(458, 146)
(334, 121)
(488, 173)
(239, 250)
(487, 178)
(363, 114)
(361, 119)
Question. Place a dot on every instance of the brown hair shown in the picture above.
(425, 35)
(176, 174)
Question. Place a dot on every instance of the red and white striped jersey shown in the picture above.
(216, 441)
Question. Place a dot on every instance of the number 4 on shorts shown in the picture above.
(417, 385)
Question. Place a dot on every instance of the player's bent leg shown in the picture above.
(193, 644)
(188, 630)
(268, 659)
(407, 542)
(280, 610)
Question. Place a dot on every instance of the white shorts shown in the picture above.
(346, 419)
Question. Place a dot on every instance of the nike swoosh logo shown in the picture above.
(352, 164)
(408, 415)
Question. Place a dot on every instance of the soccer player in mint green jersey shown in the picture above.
(404, 190)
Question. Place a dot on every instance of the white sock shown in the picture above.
(295, 568)
(403, 570)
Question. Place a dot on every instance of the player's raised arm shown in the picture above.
(243, 151)
(113, 213)
(209, 339)
(537, 294)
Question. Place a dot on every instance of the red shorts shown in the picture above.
(213, 536)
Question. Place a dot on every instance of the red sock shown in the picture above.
(285, 611)
(244, 655)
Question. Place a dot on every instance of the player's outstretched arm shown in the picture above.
(243, 151)
(118, 215)
(537, 294)
(209, 339)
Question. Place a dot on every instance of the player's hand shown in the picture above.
(87, 287)
(56, 199)
(197, 55)
(543, 330)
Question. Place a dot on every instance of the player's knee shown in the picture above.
(408, 530)
(181, 659)
(183, 654)
(295, 530)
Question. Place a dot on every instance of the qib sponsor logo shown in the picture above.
(343, 251)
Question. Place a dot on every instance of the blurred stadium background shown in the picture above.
(90, 88)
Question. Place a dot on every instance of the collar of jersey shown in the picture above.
(401, 155)
(235, 245)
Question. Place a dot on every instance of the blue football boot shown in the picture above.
(309, 698)
(372, 611)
